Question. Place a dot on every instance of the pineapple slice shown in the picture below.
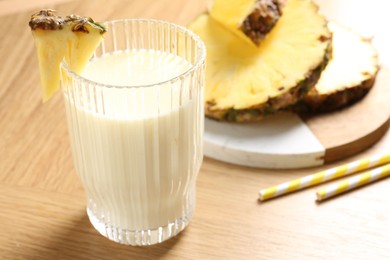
(349, 75)
(74, 38)
(249, 19)
(244, 83)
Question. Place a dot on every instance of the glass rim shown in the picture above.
(199, 61)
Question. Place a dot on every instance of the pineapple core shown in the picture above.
(73, 38)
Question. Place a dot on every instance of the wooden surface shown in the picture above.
(42, 206)
(350, 130)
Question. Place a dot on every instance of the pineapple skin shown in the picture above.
(260, 22)
(273, 105)
(251, 20)
(320, 103)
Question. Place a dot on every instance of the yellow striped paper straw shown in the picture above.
(323, 176)
(353, 182)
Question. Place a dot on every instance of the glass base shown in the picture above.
(139, 237)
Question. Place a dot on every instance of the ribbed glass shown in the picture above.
(138, 147)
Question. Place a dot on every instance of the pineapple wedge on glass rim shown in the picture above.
(73, 38)
(252, 20)
(349, 75)
(245, 83)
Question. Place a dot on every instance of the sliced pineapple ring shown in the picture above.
(245, 82)
(349, 75)
(250, 19)
(74, 38)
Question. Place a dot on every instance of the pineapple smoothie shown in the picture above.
(137, 150)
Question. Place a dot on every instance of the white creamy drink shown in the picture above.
(137, 150)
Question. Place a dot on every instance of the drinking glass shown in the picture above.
(136, 127)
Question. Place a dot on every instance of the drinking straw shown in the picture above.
(323, 176)
(353, 182)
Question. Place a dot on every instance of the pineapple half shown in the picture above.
(244, 83)
(74, 38)
(249, 19)
(350, 74)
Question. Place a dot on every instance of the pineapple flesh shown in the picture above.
(73, 38)
(349, 75)
(244, 83)
(250, 19)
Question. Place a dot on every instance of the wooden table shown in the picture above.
(42, 206)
